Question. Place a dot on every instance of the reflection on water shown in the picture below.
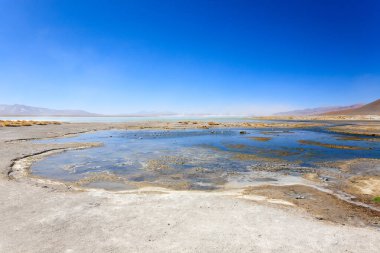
(199, 159)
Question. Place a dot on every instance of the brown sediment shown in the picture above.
(163, 164)
(359, 178)
(215, 177)
(327, 145)
(352, 138)
(254, 157)
(258, 156)
(258, 153)
(285, 168)
(368, 129)
(164, 181)
(277, 152)
(264, 139)
(359, 166)
(236, 146)
(282, 153)
(101, 176)
(190, 179)
(155, 165)
(322, 205)
(173, 184)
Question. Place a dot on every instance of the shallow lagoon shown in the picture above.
(199, 159)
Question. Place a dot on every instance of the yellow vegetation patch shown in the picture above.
(20, 123)
(312, 177)
(366, 185)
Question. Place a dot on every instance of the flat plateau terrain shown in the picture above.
(40, 215)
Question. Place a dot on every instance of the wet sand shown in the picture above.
(321, 205)
(40, 215)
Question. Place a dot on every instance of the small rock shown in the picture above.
(325, 179)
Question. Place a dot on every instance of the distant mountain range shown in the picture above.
(317, 111)
(23, 110)
(368, 109)
(358, 109)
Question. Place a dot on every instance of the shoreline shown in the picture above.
(20, 167)
(16, 146)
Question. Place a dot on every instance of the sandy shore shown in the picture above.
(41, 216)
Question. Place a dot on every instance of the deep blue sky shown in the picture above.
(189, 56)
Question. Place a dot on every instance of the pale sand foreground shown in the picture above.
(40, 217)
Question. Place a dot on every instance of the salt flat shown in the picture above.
(40, 216)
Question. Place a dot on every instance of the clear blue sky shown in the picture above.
(189, 56)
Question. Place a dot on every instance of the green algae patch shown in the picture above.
(376, 199)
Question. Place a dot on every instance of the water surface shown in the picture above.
(198, 159)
